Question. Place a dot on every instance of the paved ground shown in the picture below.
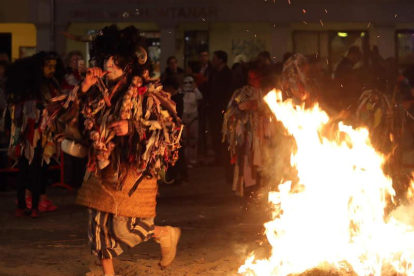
(216, 239)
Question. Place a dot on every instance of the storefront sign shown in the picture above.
(147, 13)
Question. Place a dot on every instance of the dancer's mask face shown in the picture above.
(114, 72)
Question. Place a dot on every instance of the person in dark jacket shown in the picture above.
(346, 65)
(219, 93)
(172, 70)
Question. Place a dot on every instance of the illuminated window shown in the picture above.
(194, 43)
(330, 46)
(153, 42)
(405, 47)
(341, 41)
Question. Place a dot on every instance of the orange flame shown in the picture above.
(337, 217)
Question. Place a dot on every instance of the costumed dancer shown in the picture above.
(31, 84)
(246, 129)
(131, 135)
(295, 81)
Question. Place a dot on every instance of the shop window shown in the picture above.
(194, 42)
(341, 41)
(329, 46)
(308, 42)
(405, 47)
(153, 42)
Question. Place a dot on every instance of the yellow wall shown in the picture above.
(22, 35)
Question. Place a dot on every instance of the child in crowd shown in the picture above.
(192, 96)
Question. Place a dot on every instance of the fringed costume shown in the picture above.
(247, 133)
(122, 171)
(31, 84)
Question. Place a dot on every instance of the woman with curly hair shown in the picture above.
(31, 83)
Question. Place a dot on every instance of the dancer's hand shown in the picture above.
(91, 78)
(120, 127)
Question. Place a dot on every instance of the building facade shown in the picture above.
(242, 28)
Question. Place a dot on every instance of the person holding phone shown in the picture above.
(74, 167)
(76, 69)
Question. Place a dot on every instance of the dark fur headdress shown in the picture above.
(124, 45)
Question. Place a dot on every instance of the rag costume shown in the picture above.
(31, 134)
(247, 135)
(296, 83)
(120, 185)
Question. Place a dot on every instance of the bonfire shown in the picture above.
(335, 218)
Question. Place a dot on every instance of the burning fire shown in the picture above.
(336, 214)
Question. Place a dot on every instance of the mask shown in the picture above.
(188, 84)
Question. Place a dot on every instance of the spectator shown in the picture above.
(264, 60)
(287, 56)
(350, 81)
(4, 137)
(74, 167)
(4, 57)
(193, 69)
(219, 94)
(322, 84)
(268, 71)
(172, 70)
(3, 67)
(205, 71)
(75, 66)
(239, 75)
(192, 96)
(346, 65)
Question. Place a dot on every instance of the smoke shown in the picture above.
(404, 214)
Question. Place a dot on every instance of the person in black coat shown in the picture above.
(220, 90)
(172, 71)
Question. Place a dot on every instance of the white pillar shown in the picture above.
(386, 41)
(280, 41)
(167, 46)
